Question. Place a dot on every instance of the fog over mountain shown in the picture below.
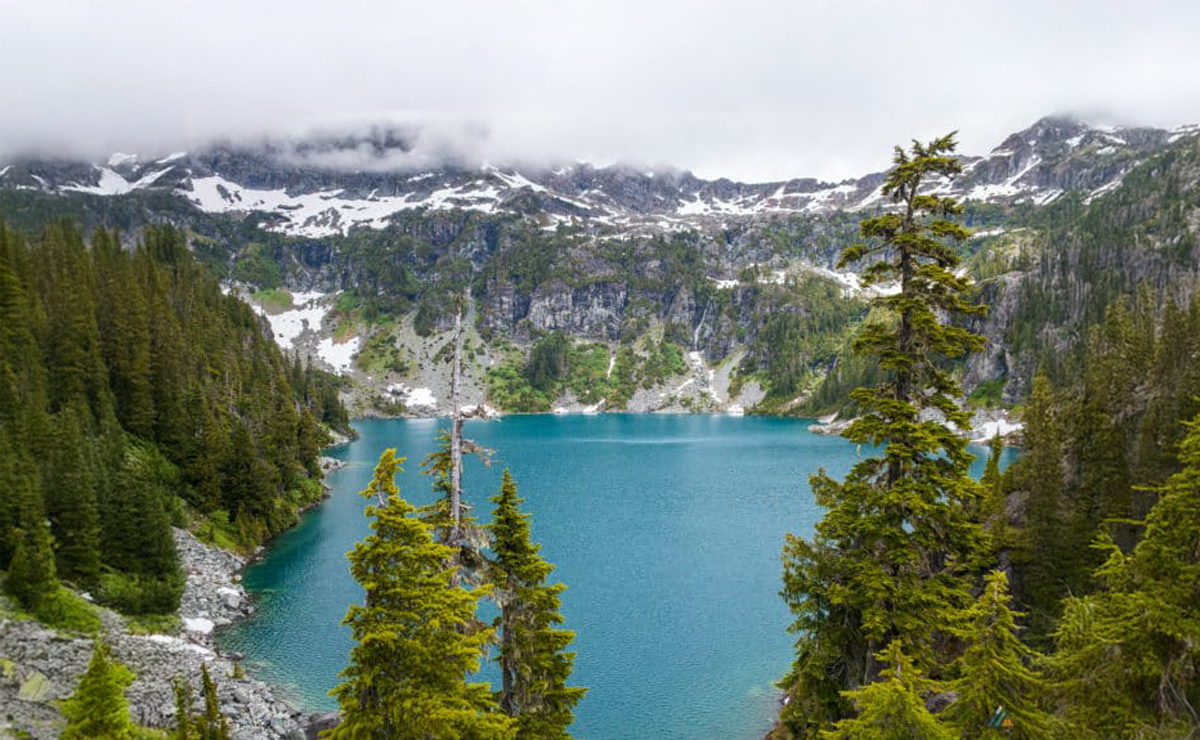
(753, 91)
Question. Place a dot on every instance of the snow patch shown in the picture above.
(179, 644)
(984, 432)
(120, 158)
(308, 315)
(339, 356)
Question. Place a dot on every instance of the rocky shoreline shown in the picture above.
(39, 665)
(985, 424)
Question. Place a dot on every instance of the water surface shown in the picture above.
(666, 529)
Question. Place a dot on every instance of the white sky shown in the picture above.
(742, 89)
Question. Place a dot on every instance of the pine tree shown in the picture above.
(183, 709)
(995, 671)
(892, 708)
(415, 635)
(534, 663)
(212, 725)
(1046, 562)
(463, 533)
(993, 509)
(31, 573)
(70, 494)
(1128, 658)
(98, 708)
(889, 559)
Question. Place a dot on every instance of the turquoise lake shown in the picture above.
(667, 530)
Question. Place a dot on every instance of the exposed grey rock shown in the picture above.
(38, 665)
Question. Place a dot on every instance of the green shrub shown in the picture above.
(66, 610)
(133, 594)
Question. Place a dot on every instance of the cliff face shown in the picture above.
(1067, 216)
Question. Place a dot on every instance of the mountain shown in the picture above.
(677, 292)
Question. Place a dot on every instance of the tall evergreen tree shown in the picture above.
(1047, 561)
(415, 635)
(534, 662)
(98, 708)
(995, 671)
(889, 559)
(892, 708)
(1128, 658)
(71, 498)
(183, 709)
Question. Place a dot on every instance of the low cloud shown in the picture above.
(752, 90)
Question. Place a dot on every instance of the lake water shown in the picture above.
(667, 530)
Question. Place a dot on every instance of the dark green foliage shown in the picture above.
(71, 487)
(534, 663)
(548, 361)
(31, 572)
(98, 708)
(892, 708)
(583, 370)
(128, 381)
(1046, 562)
(415, 634)
(1128, 657)
(211, 725)
(994, 670)
(183, 709)
(890, 559)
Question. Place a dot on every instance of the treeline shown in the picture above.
(906, 625)
(133, 393)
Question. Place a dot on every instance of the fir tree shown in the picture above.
(995, 671)
(889, 559)
(98, 708)
(71, 504)
(534, 664)
(212, 725)
(1046, 561)
(183, 709)
(415, 635)
(31, 574)
(1128, 658)
(892, 708)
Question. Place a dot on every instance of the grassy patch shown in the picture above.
(152, 624)
(273, 300)
(987, 394)
(66, 610)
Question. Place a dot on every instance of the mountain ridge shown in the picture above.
(299, 198)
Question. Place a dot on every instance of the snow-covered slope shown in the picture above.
(295, 196)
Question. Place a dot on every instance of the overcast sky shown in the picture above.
(747, 90)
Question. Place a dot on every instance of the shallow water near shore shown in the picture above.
(667, 530)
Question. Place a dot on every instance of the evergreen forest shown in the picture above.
(136, 397)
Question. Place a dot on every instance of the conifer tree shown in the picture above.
(892, 708)
(534, 663)
(995, 671)
(98, 708)
(889, 559)
(71, 504)
(415, 634)
(1128, 658)
(1046, 560)
(464, 534)
(183, 709)
(31, 573)
(993, 509)
(212, 725)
